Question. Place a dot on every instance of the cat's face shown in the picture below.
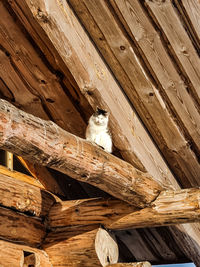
(100, 117)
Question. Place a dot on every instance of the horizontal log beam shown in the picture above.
(24, 197)
(45, 143)
(20, 228)
(171, 207)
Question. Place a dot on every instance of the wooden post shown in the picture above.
(45, 143)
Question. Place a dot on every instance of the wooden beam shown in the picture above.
(94, 211)
(170, 207)
(13, 255)
(45, 143)
(163, 110)
(81, 247)
(74, 51)
(21, 228)
(136, 264)
(43, 175)
(20, 176)
(24, 197)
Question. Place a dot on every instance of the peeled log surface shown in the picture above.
(14, 255)
(45, 143)
(24, 197)
(170, 207)
(136, 264)
(20, 228)
(81, 247)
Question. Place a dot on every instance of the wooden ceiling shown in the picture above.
(138, 59)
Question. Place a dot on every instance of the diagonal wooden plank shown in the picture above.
(138, 86)
(166, 18)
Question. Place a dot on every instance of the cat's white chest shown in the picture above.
(100, 136)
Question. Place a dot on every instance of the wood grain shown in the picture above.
(47, 144)
(12, 255)
(24, 197)
(94, 78)
(170, 207)
(20, 228)
(72, 250)
(165, 16)
(127, 66)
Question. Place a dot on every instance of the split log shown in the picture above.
(15, 255)
(23, 197)
(79, 248)
(136, 264)
(170, 207)
(45, 143)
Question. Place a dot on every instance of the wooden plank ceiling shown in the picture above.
(138, 59)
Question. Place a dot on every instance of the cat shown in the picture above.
(97, 130)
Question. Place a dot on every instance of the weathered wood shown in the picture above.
(167, 19)
(170, 207)
(24, 197)
(21, 228)
(14, 255)
(94, 78)
(20, 176)
(151, 104)
(136, 264)
(45, 143)
(43, 175)
(190, 12)
(81, 247)
(87, 212)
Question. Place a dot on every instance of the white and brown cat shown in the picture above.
(97, 130)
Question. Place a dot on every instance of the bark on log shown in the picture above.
(81, 247)
(171, 207)
(45, 143)
(136, 264)
(14, 255)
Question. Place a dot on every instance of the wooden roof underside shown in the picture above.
(139, 60)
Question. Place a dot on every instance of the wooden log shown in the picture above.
(20, 176)
(15, 255)
(43, 175)
(47, 144)
(81, 247)
(170, 207)
(24, 197)
(20, 228)
(136, 264)
(93, 211)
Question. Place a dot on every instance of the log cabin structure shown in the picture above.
(77, 205)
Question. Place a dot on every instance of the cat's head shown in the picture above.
(100, 117)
